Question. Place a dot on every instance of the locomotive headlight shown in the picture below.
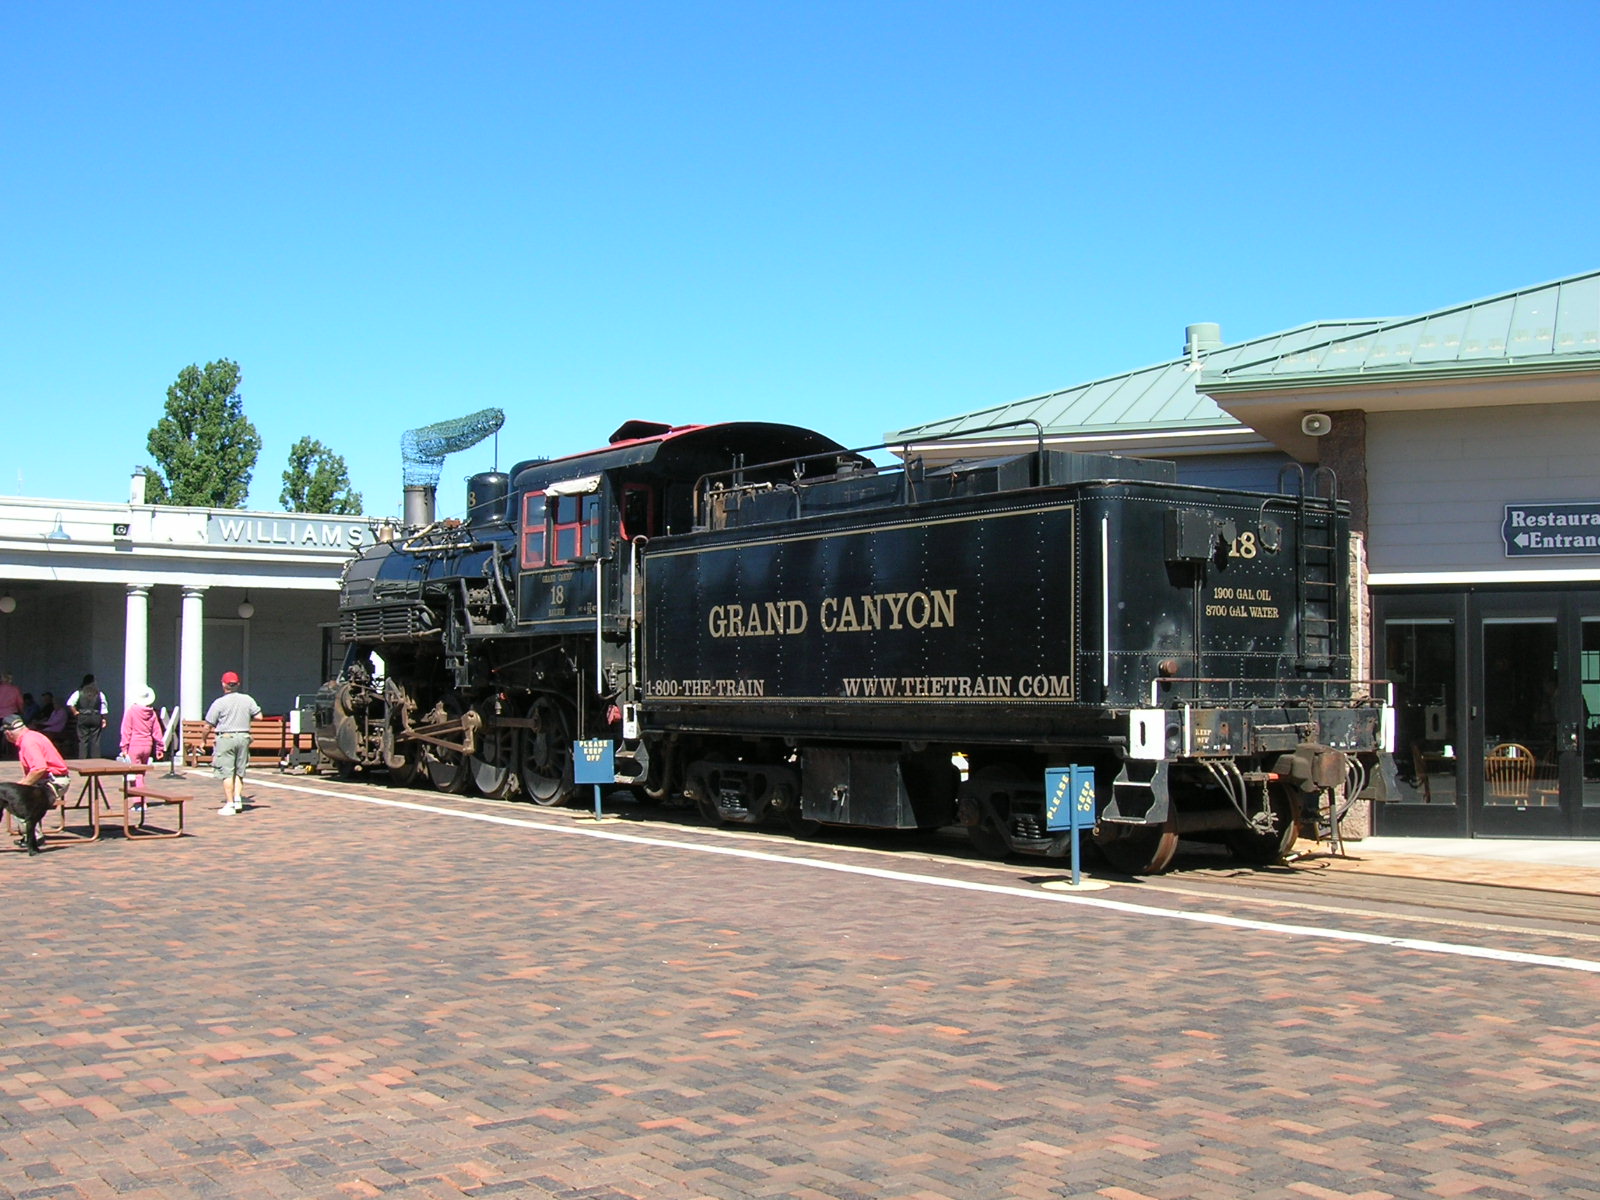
(1174, 741)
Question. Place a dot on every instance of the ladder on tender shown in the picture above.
(1319, 568)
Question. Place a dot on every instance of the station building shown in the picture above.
(1466, 442)
(138, 594)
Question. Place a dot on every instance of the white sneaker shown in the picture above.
(228, 810)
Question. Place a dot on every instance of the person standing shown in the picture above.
(142, 735)
(11, 702)
(230, 715)
(88, 704)
(10, 696)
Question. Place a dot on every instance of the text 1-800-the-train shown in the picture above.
(773, 627)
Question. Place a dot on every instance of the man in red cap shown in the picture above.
(230, 715)
(41, 763)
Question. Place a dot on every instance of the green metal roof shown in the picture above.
(1161, 397)
(1551, 327)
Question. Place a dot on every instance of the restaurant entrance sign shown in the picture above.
(1544, 530)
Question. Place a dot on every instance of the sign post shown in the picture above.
(594, 761)
(172, 741)
(1069, 804)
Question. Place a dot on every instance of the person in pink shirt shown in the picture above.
(10, 697)
(142, 735)
(41, 760)
(41, 763)
(11, 701)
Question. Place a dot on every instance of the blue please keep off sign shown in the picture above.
(1068, 798)
(1546, 530)
(593, 761)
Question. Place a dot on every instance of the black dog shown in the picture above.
(28, 803)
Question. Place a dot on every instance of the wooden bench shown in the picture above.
(137, 802)
(269, 742)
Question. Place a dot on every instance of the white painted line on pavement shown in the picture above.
(1458, 949)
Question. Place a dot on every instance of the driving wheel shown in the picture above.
(448, 770)
(546, 766)
(494, 761)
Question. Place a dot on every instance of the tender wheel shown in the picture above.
(1264, 849)
(546, 766)
(987, 840)
(448, 770)
(494, 762)
(663, 777)
(1138, 849)
(697, 786)
(786, 804)
(990, 790)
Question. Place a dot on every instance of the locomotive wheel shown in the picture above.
(493, 764)
(1138, 849)
(409, 754)
(405, 775)
(1264, 849)
(546, 765)
(448, 770)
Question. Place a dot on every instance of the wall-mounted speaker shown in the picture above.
(1316, 424)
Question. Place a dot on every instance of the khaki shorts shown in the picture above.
(232, 755)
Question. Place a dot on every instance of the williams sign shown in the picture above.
(1544, 530)
(288, 533)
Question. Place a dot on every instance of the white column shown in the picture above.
(135, 651)
(191, 685)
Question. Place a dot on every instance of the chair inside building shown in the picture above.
(1508, 772)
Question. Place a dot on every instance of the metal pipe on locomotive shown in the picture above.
(776, 628)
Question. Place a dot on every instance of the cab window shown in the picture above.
(575, 528)
(638, 511)
(533, 519)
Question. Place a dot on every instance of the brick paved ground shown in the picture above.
(329, 998)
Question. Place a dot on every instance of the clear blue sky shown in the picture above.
(856, 216)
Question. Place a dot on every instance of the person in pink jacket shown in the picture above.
(142, 735)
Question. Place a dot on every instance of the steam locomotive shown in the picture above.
(778, 629)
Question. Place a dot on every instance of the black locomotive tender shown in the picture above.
(775, 628)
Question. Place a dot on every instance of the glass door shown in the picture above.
(1585, 728)
(1515, 727)
(1497, 712)
(1419, 652)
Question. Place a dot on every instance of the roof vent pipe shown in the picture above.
(1200, 340)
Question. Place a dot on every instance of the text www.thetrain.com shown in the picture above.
(889, 687)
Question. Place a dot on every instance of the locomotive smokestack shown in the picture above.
(419, 504)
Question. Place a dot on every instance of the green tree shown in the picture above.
(155, 488)
(317, 481)
(205, 446)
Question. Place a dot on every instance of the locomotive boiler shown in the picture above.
(776, 628)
